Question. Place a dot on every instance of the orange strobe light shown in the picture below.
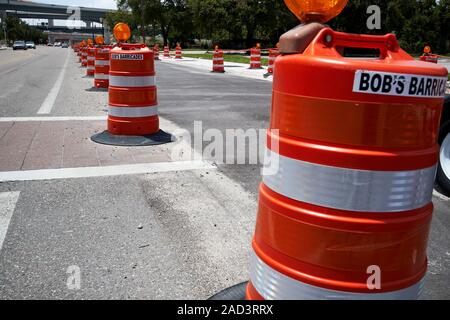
(122, 32)
(316, 10)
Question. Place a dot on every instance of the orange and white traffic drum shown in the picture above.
(101, 76)
(218, 61)
(345, 204)
(133, 105)
(255, 58)
(90, 61)
(84, 56)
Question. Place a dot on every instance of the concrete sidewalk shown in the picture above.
(231, 68)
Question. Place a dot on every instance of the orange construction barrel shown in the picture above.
(101, 75)
(133, 107)
(345, 202)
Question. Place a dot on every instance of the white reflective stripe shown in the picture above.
(217, 59)
(132, 112)
(273, 285)
(90, 67)
(255, 56)
(91, 58)
(101, 76)
(102, 62)
(123, 81)
(218, 65)
(349, 189)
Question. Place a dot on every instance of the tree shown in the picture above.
(17, 29)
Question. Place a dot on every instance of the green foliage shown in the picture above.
(16, 29)
(227, 58)
(243, 23)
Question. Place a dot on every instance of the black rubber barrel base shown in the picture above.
(158, 138)
(236, 292)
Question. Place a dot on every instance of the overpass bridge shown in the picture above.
(51, 12)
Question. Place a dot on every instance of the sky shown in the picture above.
(104, 4)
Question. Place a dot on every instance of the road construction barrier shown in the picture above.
(133, 106)
(84, 56)
(218, 61)
(101, 75)
(132, 110)
(178, 52)
(156, 51)
(273, 54)
(166, 52)
(90, 62)
(345, 204)
(255, 58)
(433, 58)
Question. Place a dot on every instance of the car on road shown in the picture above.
(65, 45)
(30, 45)
(19, 45)
(443, 174)
(57, 44)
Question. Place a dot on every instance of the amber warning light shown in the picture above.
(122, 32)
(316, 10)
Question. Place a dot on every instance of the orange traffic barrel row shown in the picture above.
(255, 58)
(101, 75)
(351, 159)
(273, 54)
(90, 61)
(178, 52)
(218, 61)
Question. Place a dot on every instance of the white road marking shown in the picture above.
(8, 202)
(89, 172)
(48, 103)
(39, 119)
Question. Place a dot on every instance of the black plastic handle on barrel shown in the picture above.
(384, 43)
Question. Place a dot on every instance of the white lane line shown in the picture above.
(8, 202)
(88, 172)
(48, 103)
(31, 119)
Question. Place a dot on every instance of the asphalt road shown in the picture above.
(177, 232)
